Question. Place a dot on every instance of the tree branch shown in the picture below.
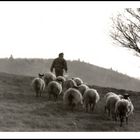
(127, 33)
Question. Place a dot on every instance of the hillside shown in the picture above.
(21, 111)
(91, 74)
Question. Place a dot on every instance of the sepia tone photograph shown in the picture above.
(69, 66)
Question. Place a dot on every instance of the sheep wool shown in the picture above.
(72, 97)
(124, 108)
(48, 77)
(90, 98)
(54, 88)
(69, 84)
(82, 88)
(110, 105)
(38, 85)
(78, 80)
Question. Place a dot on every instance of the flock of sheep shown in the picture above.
(75, 92)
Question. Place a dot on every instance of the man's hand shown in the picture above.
(51, 70)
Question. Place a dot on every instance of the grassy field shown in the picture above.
(21, 111)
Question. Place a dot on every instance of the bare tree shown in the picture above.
(126, 29)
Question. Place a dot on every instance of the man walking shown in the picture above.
(59, 64)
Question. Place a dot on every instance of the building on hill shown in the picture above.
(11, 57)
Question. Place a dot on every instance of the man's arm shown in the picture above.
(52, 66)
(65, 66)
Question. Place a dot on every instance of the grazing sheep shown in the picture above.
(90, 98)
(108, 95)
(54, 88)
(69, 84)
(38, 85)
(121, 96)
(48, 77)
(123, 109)
(77, 80)
(72, 98)
(82, 88)
(110, 105)
(61, 79)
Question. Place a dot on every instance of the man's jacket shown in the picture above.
(59, 63)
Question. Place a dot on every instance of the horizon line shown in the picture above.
(78, 60)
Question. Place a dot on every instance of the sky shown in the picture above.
(78, 29)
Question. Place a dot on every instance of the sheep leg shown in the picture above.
(36, 94)
(93, 107)
(90, 107)
(55, 97)
(121, 121)
(40, 93)
(72, 107)
(49, 96)
(126, 120)
(115, 117)
(86, 106)
(105, 109)
(108, 112)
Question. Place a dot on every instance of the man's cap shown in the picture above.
(61, 53)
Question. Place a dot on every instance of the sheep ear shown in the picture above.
(41, 74)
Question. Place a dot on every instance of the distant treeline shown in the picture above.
(91, 74)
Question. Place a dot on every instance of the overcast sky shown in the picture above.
(79, 29)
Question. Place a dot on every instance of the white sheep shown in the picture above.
(38, 85)
(54, 89)
(69, 83)
(78, 80)
(72, 98)
(48, 77)
(90, 99)
(60, 78)
(123, 109)
(108, 96)
(110, 105)
(82, 88)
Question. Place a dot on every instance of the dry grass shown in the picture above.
(20, 111)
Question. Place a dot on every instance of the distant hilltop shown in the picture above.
(91, 74)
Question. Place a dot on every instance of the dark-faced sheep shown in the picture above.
(38, 85)
(123, 109)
